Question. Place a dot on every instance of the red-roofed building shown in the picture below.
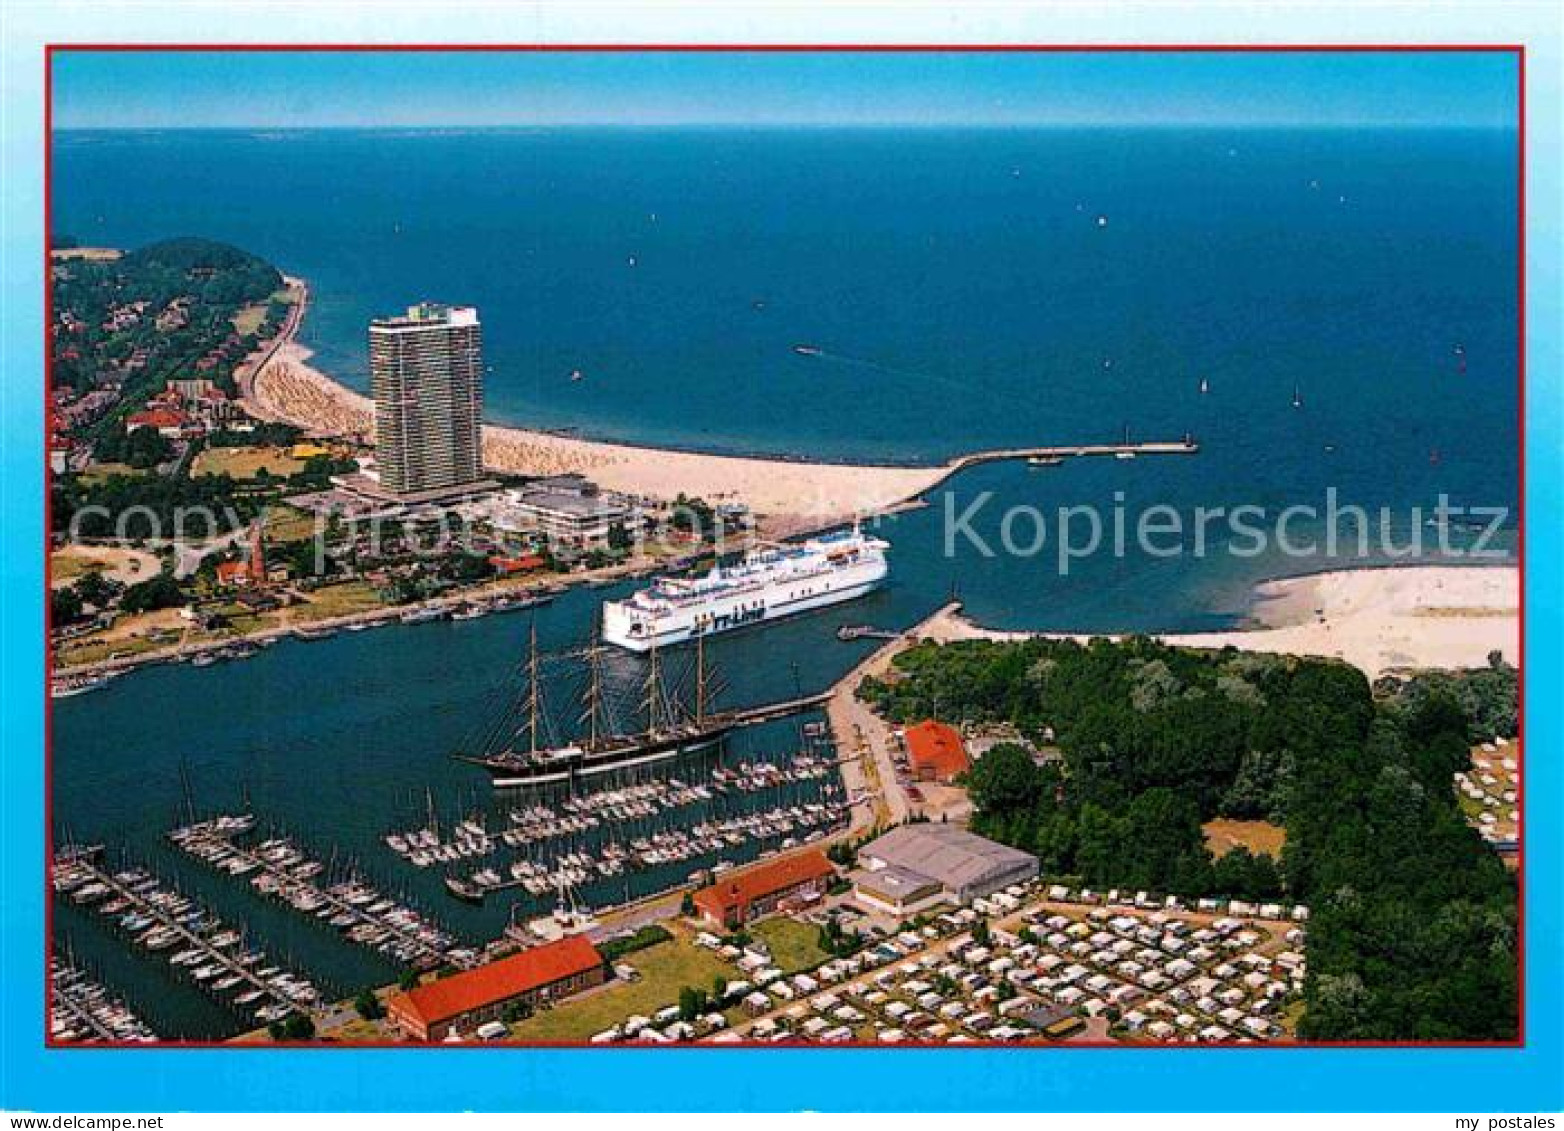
(524, 564)
(234, 573)
(467, 1000)
(167, 422)
(249, 571)
(935, 751)
(782, 885)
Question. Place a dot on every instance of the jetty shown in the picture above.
(1187, 446)
(280, 869)
(792, 825)
(770, 712)
(163, 920)
(538, 824)
(81, 1010)
(850, 632)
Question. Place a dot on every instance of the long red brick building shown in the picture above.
(467, 1000)
(786, 884)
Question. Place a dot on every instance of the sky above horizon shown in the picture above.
(297, 89)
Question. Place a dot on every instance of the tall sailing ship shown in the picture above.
(669, 727)
(765, 585)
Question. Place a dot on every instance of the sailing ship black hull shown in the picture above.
(516, 771)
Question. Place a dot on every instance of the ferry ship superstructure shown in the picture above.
(765, 585)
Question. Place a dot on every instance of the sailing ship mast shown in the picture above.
(652, 701)
(700, 680)
(532, 690)
(594, 694)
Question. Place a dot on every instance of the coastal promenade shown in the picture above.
(244, 376)
(863, 739)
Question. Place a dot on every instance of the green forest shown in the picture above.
(214, 281)
(1413, 934)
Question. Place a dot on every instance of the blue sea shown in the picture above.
(967, 290)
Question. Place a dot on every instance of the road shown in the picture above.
(864, 740)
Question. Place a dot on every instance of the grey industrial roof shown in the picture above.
(894, 882)
(947, 853)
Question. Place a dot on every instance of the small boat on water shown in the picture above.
(807, 350)
(1205, 386)
(464, 890)
(64, 687)
(422, 616)
(1297, 397)
(525, 601)
(1044, 461)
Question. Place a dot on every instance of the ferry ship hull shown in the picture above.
(764, 587)
(728, 621)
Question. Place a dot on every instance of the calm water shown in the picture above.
(966, 297)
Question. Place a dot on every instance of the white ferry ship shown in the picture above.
(765, 585)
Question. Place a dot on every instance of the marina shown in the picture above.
(194, 942)
(279, 869)
(778, 827)
(84, 1012)
(539, 823)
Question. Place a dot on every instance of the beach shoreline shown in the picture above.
(789, 497)
(1380, 618)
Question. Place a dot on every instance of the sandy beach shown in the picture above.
(1378, 620)
(790, 495)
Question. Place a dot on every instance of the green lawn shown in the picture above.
(249, 319)
(245, 463)
(664, 968)
(92, 649)
(339, 600)
(289, 524)
(98, 472)
(793, 944)
(64, 567)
